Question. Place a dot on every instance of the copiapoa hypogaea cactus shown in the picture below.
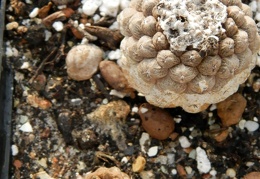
(188, 53)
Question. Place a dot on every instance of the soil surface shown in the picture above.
(56, 134)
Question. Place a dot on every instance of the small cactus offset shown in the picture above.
(189, 53)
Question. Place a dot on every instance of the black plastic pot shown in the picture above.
(6, 85)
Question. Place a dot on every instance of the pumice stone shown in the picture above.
(190, 53)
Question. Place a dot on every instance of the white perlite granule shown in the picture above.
(192, 22)
(58, 26)
(184, 142)
(203, 163)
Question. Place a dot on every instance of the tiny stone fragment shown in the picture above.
(230, 110)
(38, 102)
(251, 126)
(181, 171)
(184, 142)
(221, 136)
(231, 172)
(144, 142)
(15, 150)
(26, 127)
(147, 174)
(139, 164)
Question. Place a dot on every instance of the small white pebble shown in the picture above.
(211, 121)
(241, 124)
(174, 171)
(184, 142)
(15, 150)
(177, 119)
(249, 164)
(96, 17)
(62, 6)
(213, 172)
(18, 76)
(251, 126)
(152, 151)
(109, 8)
(81, 165)
(43, 162)
(144, 141)
(23, 119)
(28, 1)
(84, 41)
(210, 114)
(231, 172)
(135, 109)
(58, 26)
(48, 35)
(170, 158)
(124, 160)
(132, 119)
(188, 170)
(143, 110)
(76, 102)
(34, 12)
(90, 6)
(253, 6)
(213, 107)
(105, 101)
(114, 26)
(75, 23)
(203, 163)
(25, 65)
(81, 26)
(26, 127)
(192, 154)
(114, 54)
(140, 94)
(117, 93)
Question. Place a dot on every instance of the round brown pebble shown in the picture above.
(113, 75)
(156, 122)
(252, 175)
(222, 136)
(230, 110)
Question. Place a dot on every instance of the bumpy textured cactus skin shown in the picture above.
(175, 54)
